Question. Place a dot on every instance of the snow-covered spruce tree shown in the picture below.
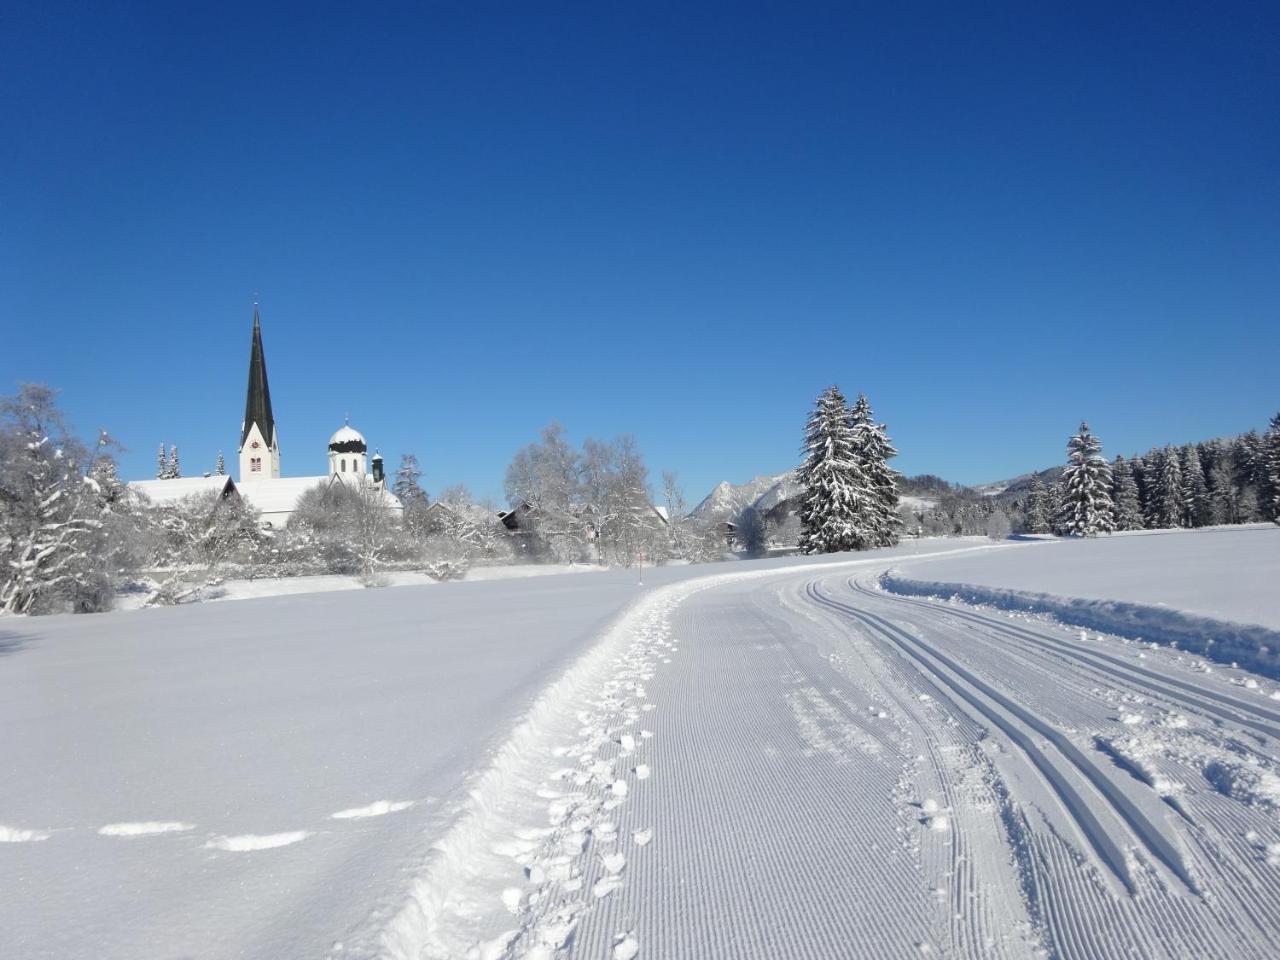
(1124, 496)
(837, 507)
(162, 465)
(1086, 488)
(1165, 505)
(1037, 506)
(1195, 493)
(175, 468)
(1271, 460)
(220, 466)
(1224, 503)
(874, 450)
(408, 490)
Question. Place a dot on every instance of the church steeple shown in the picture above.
(257, 405)
(259, 449)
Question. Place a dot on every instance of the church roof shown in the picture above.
(281, 494)
(257, 404)
(167, 491)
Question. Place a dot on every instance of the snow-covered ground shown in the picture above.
(1227, 573)
(742, 760)
(329, 583)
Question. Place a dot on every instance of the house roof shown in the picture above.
(257, 404)
(161, 492)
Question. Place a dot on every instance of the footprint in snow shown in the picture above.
(614, 862)
(625, 946)
(605, 886)
(144, 829)
(249, 841)
(18, 835)
(379, 808)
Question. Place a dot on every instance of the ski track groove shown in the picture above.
(1218, 703)
(1173, 922)
(1157, 842)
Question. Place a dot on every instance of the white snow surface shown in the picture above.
(1226, 573)
(254, 723)
(739, 760)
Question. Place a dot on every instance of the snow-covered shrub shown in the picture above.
(66, 528)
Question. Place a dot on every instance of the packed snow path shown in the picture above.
(805, 766)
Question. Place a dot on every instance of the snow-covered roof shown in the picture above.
(347, 434)
(281, 495)
(167, 491)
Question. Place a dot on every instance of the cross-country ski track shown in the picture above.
(798, 764)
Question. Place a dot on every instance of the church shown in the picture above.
(260, 483)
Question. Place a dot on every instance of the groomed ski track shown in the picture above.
(794, 763)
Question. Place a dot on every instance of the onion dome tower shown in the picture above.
(347, 452)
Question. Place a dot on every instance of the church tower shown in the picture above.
(259, 447)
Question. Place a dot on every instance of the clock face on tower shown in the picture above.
(254, 444)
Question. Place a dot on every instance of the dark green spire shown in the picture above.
(257, 405)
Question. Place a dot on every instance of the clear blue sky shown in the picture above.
(465, 220)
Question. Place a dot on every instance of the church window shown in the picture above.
(344, 464)
(255, 464)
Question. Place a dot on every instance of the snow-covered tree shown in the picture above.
(1224, 500)
(1164, 500)
(998, 526)
(174, 469)
(162, 464)
(1271, 461)
(1195, 493)
(408, 490)
(220, 467)
(200, 540)
(50, 529)
(1124, 496)
(838, 507)
(874, 450)
(1038, 513)
(1086, 488)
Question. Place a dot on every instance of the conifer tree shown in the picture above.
(836, 500)
(162, 465)
(1038, 506)
(1165, 508)
(1086, 485)
(220, 467)
(875, 450)
(1195, 494)
(1271, 462)
(1138, 465)
(174, 470)
(1124, 494)
(408, 490)
(1224, 504)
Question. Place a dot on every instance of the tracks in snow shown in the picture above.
(1255, 717)
(1055, 764)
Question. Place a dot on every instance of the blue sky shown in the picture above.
(466, 220)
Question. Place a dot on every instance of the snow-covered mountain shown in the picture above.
(763, 493)
(766, 493)
(1017, 485)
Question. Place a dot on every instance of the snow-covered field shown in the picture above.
(1227, 573)
(772, 759)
